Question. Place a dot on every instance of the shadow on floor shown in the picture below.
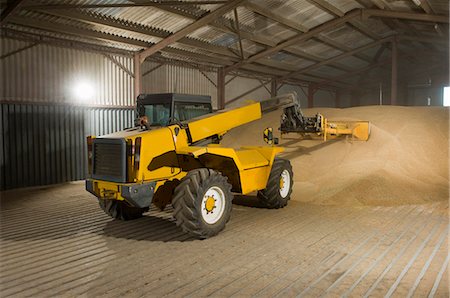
(247, 201)
(151, 227)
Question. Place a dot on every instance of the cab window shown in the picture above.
(158, 114)
(187, 111)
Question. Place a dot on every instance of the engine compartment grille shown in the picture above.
(109, 160)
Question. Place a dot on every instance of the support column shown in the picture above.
(221, 88)
(311, 91)
(273, 88)
(137, 76)
(394, 73)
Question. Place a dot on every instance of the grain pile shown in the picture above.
(405, 161)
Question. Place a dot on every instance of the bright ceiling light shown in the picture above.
(83, 91)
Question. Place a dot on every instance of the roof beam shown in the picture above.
(104, 36)
(342, 47)
(428, 9)
(55, 27)
(86, 33)
(332, 9)
(121, 5)
(297, 39)
(352, 73)
(426, 39)
(60, 42)
(189, 29)
(346, 54)
(435, 18)
(250, 36)
(218, 25)
(299, 28)
(400, 26)
(18, 50)
(90, 18)
(10, 10)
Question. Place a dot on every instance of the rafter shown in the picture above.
(395, 24)
(189, 29)
(18, 50)
(122, 5)
(341, 56)
(426, 39)
(80, 32)
(238, 31)
(10, 10)
(434, 18)
(353, 73)
(428, 9)
(332, 9)
(261, 40)
(120, 65)
(91, 18)
(219, 25)
(60, 42)
(298, 28)
(298, 39)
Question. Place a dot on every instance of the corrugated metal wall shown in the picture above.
(178, 79)
(46, 144)
(45, 73)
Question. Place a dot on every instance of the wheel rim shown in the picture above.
(213, 205)
(285, 183)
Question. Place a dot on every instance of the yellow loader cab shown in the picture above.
(173, 155)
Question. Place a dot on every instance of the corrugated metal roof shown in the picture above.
(258, 32)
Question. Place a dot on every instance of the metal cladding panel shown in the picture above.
(46, 73)
(46, 144)
(178, 79)
(191, 81)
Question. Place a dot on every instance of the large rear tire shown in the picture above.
(202, 203)
(279, 186)
(120, 209)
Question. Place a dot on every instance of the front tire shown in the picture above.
(279, 186)
(202, 203)
(120, 209)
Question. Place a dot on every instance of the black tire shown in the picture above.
(271, 197)
(120, 209)
(188, 203)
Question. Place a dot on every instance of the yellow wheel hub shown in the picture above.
(210, 204)
(281, 183)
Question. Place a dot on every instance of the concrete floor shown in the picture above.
(55, 241)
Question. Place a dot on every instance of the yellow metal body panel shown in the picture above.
(149, 152)
(253, 163)
(254, 179)
(222, 121)
(251, 159)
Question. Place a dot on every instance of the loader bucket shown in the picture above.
(359, 130)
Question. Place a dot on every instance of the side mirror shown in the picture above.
(268, 135)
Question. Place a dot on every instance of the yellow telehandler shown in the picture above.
(173, 155)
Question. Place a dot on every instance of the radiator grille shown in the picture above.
(109, 160)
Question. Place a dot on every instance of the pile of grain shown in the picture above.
(405, 161)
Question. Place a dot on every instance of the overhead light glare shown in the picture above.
(83, 91)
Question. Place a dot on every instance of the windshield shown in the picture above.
(186, 111)
(158, 114)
